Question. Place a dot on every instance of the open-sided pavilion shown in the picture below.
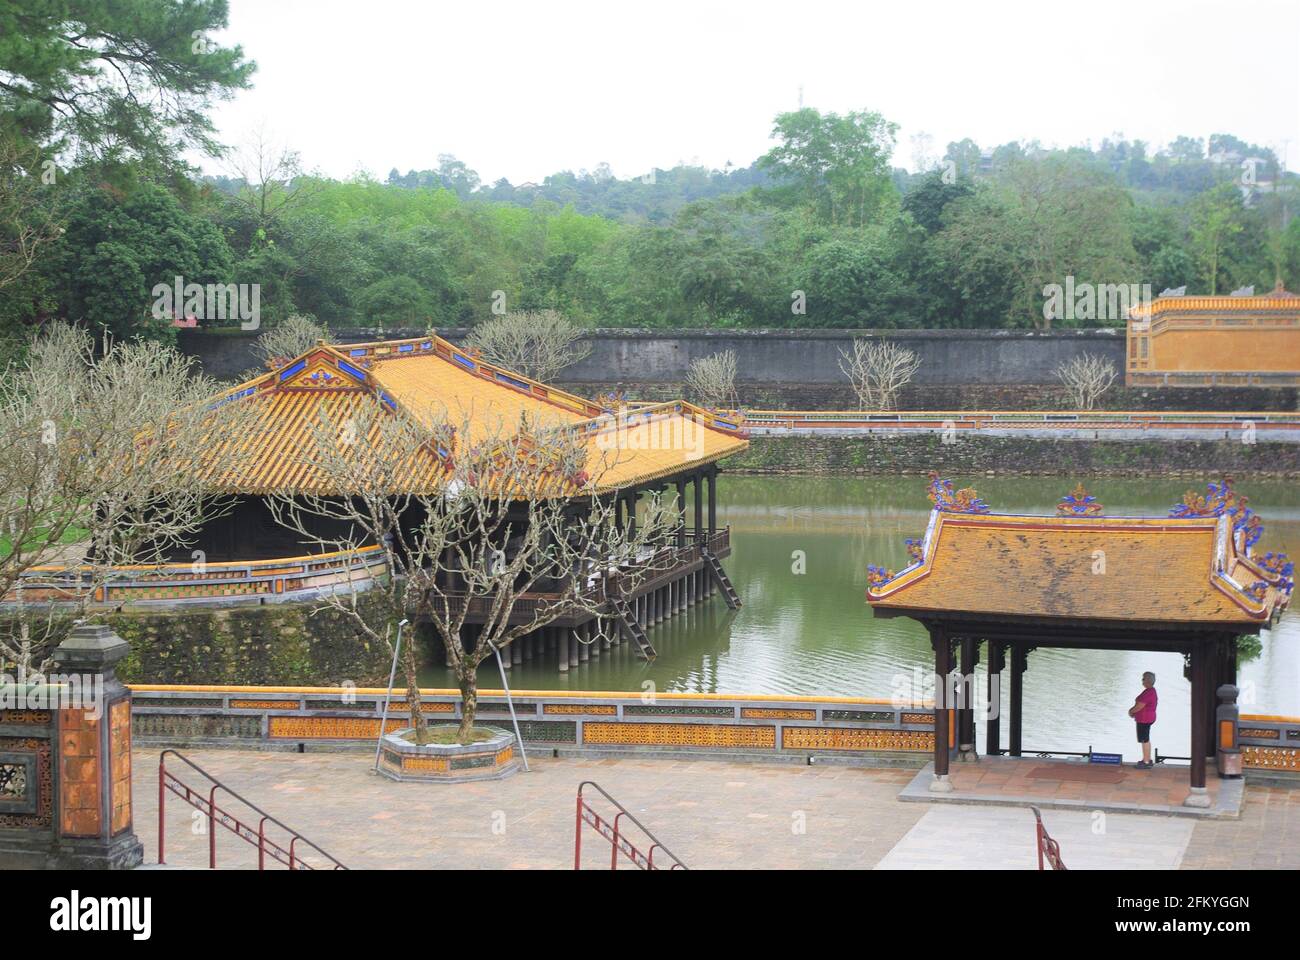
(1188, 583)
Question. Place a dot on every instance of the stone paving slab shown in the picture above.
(1002, 838)
(1010, 781)
(711, 814)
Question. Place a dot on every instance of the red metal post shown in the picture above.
(162, 807)
(613, 852)
(212, 829)
(1038, 838)
(261, 844)
(577, 836)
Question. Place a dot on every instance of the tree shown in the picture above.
(117, 248)
(878, 369)
(101, 449)
(537, 343)
(273, 181)
(29, 219)
(1047, 217)
(711, 380)
(514, 513)
(117, 80)
(1086, 377)
(295, 336)
(1216, 218)
(836, 165)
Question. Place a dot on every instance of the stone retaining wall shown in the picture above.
(884, 453)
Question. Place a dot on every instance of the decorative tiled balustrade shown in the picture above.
(1269, 743)
(773, 725)
(256, 581)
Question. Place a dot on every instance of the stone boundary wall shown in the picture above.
(799, 369)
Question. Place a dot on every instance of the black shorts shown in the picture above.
(1144, 732)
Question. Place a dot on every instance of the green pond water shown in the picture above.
(811, 632)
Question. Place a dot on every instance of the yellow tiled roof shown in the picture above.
(1094, 568)
(434, 382)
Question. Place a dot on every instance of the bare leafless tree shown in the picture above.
(711, 380)
(1086, 377)
(537, 343)
(274, 181)
(29, 219)
(284, 341)
(102, 447)
(878, 370)
(513, 514)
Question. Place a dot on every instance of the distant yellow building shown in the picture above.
(1215, 341)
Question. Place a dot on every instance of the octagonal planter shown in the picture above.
(492, 759)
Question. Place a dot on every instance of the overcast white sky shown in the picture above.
(521, 90)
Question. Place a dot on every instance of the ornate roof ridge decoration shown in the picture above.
(948, 500)
(878, 576)
(1222, 500)
(1079, 503)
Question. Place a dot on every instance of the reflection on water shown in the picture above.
(811, 632)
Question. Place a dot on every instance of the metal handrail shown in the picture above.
(228, 820)
(617, 840)
(1048, 849)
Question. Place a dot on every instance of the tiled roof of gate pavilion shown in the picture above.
(1196, 566)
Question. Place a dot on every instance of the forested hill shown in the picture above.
(97, 213)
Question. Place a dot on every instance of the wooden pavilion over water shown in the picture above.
(249, 557)
(1189, 583)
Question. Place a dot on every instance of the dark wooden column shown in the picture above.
(681, 513)
(1214, 670)
(713, 501)
(1019, 663)
(966, 714)
(699, 504)
(942, 645)
(993, 723)
(1200, 729)
(631, 512)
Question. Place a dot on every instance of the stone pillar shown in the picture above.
(1227, 744)
(571, 640)
(561, 647)
(74, 811)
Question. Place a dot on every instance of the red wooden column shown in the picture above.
(942, 645)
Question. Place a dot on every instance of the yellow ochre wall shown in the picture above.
(1241, 349)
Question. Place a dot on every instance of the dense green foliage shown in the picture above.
(819, 232)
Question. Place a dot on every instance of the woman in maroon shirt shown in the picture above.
(1143, 712)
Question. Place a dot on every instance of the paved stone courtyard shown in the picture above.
(712, 814)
